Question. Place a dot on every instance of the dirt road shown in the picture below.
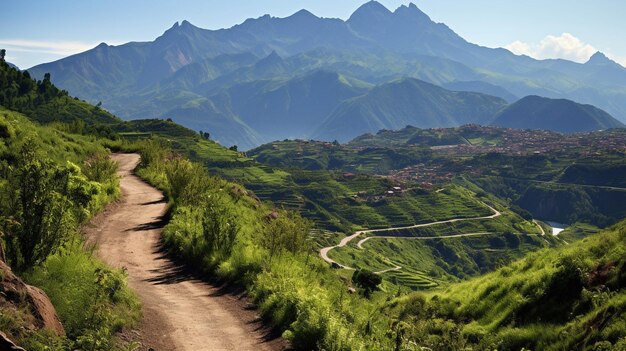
(324, 252)
(179, 311)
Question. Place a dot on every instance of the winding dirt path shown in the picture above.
(324, 252)
(180, 312)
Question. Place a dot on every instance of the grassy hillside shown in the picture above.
(43, 102)
(51, 183)
(314, 155)
(571, 298)
(565, 298)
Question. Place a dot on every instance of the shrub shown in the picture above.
(45, 202)
(366, 280)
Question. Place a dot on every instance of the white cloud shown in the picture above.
(565, 46)
(61, 48)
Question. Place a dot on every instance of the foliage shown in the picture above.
(91, 299)
(366, 280)
(567, 298)
(45, 203)
(285, 231)
(51, 182)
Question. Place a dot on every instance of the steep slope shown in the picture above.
(572, 298)
(482, 87)
(407, 102)
(560, 115)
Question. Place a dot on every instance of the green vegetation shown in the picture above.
(43, 102)
(312, 155)
(517, 306)
(559, 299)
(578, 231)
(293, 288)
(52, 181)
(55, 177)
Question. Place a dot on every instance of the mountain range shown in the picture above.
(272, 78)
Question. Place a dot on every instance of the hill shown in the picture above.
(482, 87)
(407, 102)
(571, 298)
(179, 73)
(44, 102)
(560, 115)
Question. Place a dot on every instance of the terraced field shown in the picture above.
(441, 251)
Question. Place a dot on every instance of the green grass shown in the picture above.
(568, 298)
(92, 300)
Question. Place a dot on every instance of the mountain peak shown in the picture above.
(599, 59)
(184, 26)
(411, 11)
(272, 59)
(370, 9)
(303, 14)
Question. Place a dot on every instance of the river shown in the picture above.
(557, 227)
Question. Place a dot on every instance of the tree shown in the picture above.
(3, 53)
(233, 148)
(366, 280)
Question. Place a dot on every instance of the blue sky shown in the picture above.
(37, 31)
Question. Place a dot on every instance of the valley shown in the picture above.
(370, 182)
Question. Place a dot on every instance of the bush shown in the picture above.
(366, 280)
(45, 202)
(100, 168)
(93, 301)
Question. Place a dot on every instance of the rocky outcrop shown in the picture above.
(15, 292)
(8, 345)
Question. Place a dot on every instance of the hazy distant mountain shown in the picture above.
(292, 108)
(12, 65)
(407, 102)
(187, 72)
(559, 115)
(482, 87)
(252, 113)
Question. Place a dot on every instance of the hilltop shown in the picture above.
(561, 115)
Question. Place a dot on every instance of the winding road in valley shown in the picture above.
(180, 312)
(324, 252)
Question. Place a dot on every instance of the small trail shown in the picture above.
(324, 252)
(180, 312)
